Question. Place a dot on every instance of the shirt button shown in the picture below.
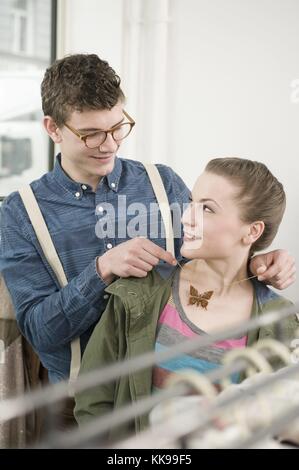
(100, 209)
(106, 296)
(77, 195)
(112, 185)
(84, 187)
(109, 246)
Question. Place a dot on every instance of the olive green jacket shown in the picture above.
(128, 329)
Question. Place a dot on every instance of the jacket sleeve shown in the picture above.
(285, 330)
(49, 316)
(103, 349)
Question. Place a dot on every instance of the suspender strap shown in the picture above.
(51, 256)
(163, 202)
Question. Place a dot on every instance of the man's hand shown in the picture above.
(276, 268)
(132, 258)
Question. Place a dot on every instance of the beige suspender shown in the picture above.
(51, 255)
(42, 233)
(162, 199)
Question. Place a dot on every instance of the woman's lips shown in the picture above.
(192, 242)
(188, 237)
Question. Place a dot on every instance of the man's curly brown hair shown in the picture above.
(76, 83)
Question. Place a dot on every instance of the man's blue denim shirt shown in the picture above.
(51, 317)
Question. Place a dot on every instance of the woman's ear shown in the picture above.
(255, 230)
(52, 130)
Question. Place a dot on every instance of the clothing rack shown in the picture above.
(277, 425)
(199, 418)
(14, 407)
(197, 421)
(102, 424)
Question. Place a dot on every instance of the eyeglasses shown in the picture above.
(96, 139)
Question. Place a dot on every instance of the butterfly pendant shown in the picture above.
(199, 299)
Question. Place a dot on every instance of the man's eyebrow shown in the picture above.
(95, 129)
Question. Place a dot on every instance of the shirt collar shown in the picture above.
(64, 180)
(114, 177)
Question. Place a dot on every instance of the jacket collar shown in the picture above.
(135, 292)
(160, 277)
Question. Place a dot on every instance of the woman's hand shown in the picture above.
(276, 268)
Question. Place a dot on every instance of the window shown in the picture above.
(16, 155)
(27, 49)
(23, 25)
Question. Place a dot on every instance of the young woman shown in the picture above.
(243, 205)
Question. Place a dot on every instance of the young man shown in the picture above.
(84, 113)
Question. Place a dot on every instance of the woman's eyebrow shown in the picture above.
(209, 199)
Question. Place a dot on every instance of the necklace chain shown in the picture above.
(235, 282)
(203, 299)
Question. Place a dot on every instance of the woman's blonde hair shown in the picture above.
(260, 197)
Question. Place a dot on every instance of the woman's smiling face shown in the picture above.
(219, 223)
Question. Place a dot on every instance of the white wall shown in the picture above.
(91, 26)
(216, 75)
(235, 62)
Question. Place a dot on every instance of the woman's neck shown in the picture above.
(222, 276)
